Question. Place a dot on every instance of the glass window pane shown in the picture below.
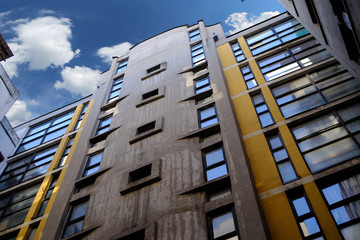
(309, 226)
(352, 232)
(350, 112)
(63, 118)
(275, 142)
(290, 86)
(203, 89)
(198, 58)
(197, 52)
(195, 32)
(342, 190)
(95, 159)
(307, 61)
(261, 108)
(201, 82)
(216, 172)
(287, 24)
(347, 212)
(301, 206)
(104, 122)
(322, 138)
(46, 152)
(36, 135)
(281, 71)
(38, 128)
(280, 155)
(29, 145)
(214, 156)
(273, 58)
(91, 171)
(197, 46)
(13, 219)
(120, 69)
(314, 126)
(354, 126)
(223, 224)
(295, 35)
(251, 84)
(208, 122)
(73, 228)
(208, 112)
(287, 171)
(36, 172)
(63, 124)
(259, 36)
(114, 94)
(100, 131)
(332, 154)
(258, 99)
(56, 134)
(266, 119)
(266, 47)
(79, 211)
(341, 90)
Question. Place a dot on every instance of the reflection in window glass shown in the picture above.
(207, 117)
(325, 141)
(76, 219)
(262, 110)
(215, 164)
(93, 164)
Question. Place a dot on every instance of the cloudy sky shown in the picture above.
(61, 47)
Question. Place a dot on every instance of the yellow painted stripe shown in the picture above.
(272, 105)
(63, 172)
(244, 47)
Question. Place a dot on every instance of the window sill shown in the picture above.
(199, 96)
(90, 179)
(196, 68)
(102, 136)
(162, 68)
(155, 176)
(203, 132)
(158, 128)
(207, 186)
(160, 95)
(112, 104)
(82, 233)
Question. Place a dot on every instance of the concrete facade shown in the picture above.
(187, 136)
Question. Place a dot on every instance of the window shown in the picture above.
(93, 164)
(215, 164)
(314, 89)
(197, 54)
(104, 125)
(248, 77)
(194, 35)
(32, 232)
(292, 59)
(343, 199)
(238, 53)
(14, 207)
(76, 219)
(46, 131)
(202, 84)
(262, 110)
(81, 117)
(153, 69)
(140, 173)
(282, 159)
(47, 197)
(223, 225)
(66, 152)
(207, 117)
(150, 94)
(304, 215)
(122, 66)
(330, 139)
(115, 89)
(145, 128)
(26, 168)
(275, 36)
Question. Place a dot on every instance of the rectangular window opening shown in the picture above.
(140, 173)
(145, 128)
(150, 94)
(153, 69)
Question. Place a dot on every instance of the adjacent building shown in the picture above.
(195, 135)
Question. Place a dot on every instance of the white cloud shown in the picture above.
(46, 12)
(240, 21)
(78, 80)
(106, 53)
(19, 112)
(40, 43)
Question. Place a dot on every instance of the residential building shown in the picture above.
(195, 135)
(335, 23)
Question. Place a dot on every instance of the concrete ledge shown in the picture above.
(137, 137)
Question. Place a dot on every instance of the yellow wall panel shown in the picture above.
(246, 114)
(294, 153)
(321, 211)
(280, 218)
(262, 163)
(271, 103)
(226, 55)
(256, 71)
(244, 47)
(235, 81)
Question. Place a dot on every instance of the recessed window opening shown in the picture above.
(145, 128)
(153, 69)
(139, 235)
(140, 173)
(150, 94)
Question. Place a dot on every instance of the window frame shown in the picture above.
(266, 111)
(93, 166)
(117, 82)
(194, 35)
(100, 129)
(70, 221)
(218, 212)
(206, 167)
(121, 66)
(237, 51)
(207, 119)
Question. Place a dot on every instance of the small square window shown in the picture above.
(214, 163)
(222, 225)
(207, 117)
(122, 66)
(150, 94)
(104, 125)
(140, 173)
(194, 35)
(202, 84)
(76, 219)
(153, 69)
(145, 128)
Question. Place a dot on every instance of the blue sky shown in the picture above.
(61, 47)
